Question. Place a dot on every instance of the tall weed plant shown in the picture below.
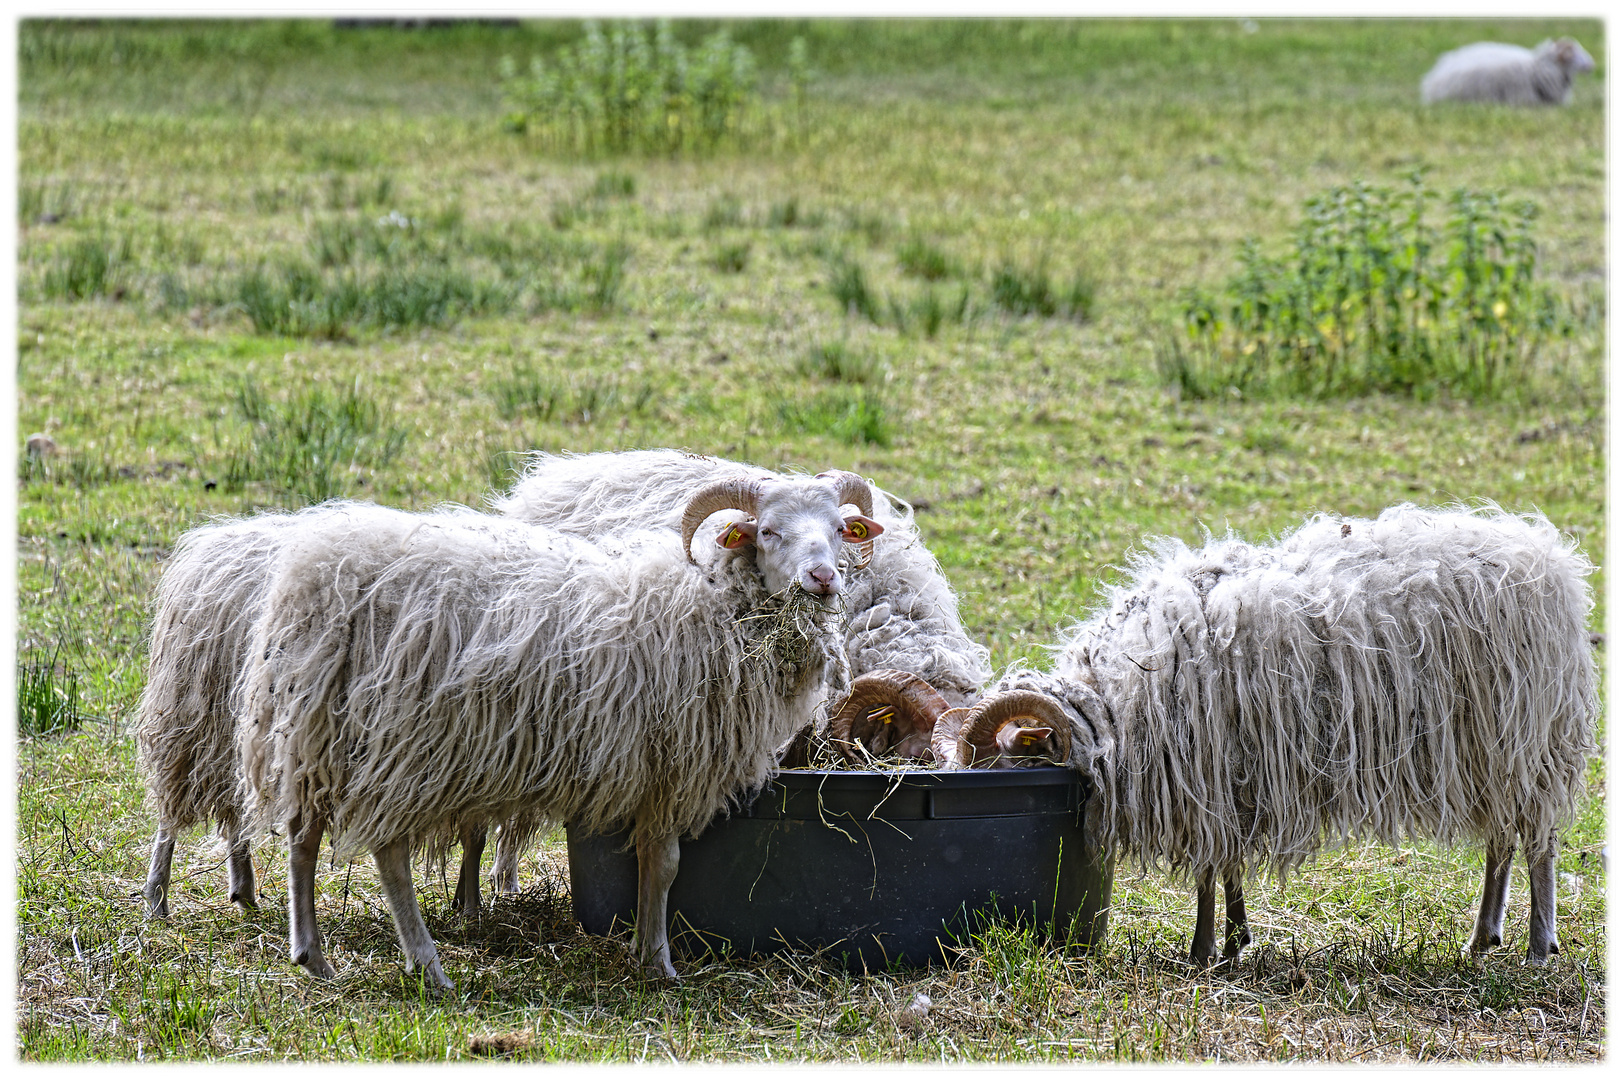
(627, 88)
(48, 700)
(1375, 297)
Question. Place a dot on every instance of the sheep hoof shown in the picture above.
(660, 969)
(159, 908)
(1537, 957)
(437, 984)
(245, 901)
(318, 966)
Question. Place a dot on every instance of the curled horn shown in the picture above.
(944, 741)
(851, 488)
(916, 702)
(976, 739)
(732, 493)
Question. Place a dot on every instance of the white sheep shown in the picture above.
(205, 605)
(413, 674)
(1507, 74)
(212, 589)
(1424, 674)
(902, 612)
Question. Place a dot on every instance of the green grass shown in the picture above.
(47, 694)
(433, 293)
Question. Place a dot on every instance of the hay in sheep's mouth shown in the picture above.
(786, 625)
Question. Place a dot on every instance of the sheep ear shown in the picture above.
(1012, 738)
(737, 535)
(859, 529)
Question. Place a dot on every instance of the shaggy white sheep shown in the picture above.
(413, 674)
(206, 602)
(1424, 674)
(212, 589)
(1508, 74)
(902, 612)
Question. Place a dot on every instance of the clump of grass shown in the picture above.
(847, 414)
(849, 283)
(313, 445)
(526, 392)
(922, 259)
(927, 311)
(630, 88)
(91, 266)
(789, 214)
(1373, 297)
(48, 701)
(1029, 290)
(613, 185)
(724, 212)
(606, 276)
(40, 201)
(72, 469)
(838, 361)
(731, 258)
(298, 300)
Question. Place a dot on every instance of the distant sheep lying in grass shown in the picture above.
(1507, 74)
(1424, 674)
(413, 674)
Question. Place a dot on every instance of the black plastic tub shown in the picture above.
(883, 870)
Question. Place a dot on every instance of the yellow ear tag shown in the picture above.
(859, 530)
(1027, 740)
(733, 535)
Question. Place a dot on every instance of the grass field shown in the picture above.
(247, 248)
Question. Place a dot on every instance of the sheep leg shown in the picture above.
(1237, 931)
(394, 872)
(467, 899)
(239, 868)
(1204, 948)
(1490, 919)
(156, 890)
(304, 936)
(504, 867)
(656, 869)
(1541, 922)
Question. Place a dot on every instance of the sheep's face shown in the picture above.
(1573, 57)
(797, 533)
(1025, 744)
